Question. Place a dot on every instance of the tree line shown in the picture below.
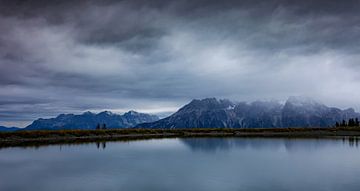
(350, 123)
(101, 126)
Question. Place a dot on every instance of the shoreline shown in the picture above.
(42, 138)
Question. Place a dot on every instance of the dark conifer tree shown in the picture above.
(343, 124)
(351, 122)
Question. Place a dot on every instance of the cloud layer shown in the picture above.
(154, 56)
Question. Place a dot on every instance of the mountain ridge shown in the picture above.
(89, 120)
(8, 129)
(223, 113)
(208, 113)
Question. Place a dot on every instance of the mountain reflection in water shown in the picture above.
(177, 164)
(290, 144)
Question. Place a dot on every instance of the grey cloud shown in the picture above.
(72, 56)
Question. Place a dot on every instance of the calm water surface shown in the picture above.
(185, 164)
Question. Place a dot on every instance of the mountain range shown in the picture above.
(89, 120)
(209, 113)
(214, 113)
(8, 129)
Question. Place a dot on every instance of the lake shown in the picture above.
(185, 164)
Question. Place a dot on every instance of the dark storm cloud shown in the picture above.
(71, 56)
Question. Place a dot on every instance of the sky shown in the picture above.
(155, 56)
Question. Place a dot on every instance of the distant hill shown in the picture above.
(8, 129)
(214, 113)
(89, 120)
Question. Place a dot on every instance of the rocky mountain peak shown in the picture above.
(208, 104)
(132, 112)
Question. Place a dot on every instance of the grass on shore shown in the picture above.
(49, 137)
(113, 132)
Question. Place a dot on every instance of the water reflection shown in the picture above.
(103, 145)
(223, 144)
(352, 141)
(202, 164)
(289, 144)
